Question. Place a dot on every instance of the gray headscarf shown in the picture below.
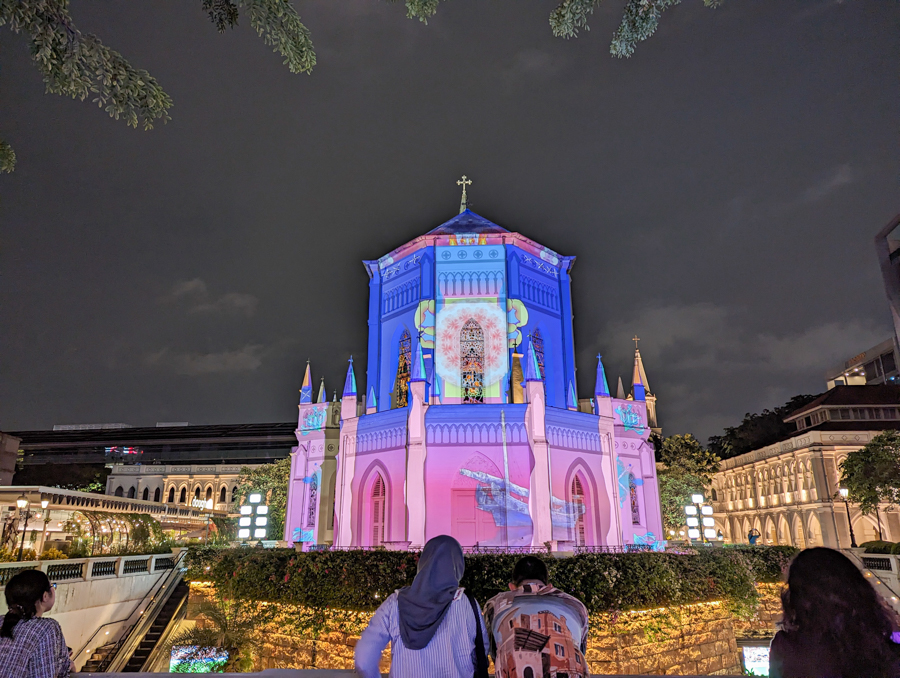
(423, 605)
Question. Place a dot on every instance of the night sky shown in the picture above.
(721, 190)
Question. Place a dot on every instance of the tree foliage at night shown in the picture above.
(872, 473)
(79, 65)
(271, 481)
(685, 469)
(758, 430)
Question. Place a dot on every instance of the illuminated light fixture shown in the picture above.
(22, 501)
(693, 522)
(709, 533)
(243, 534)
(844, 492)
(709, 522)
(45, 503)
(261, 521)
(260, 533)
(255, 498)
(672, 532)
(681, 532)
(697, 498)
(706, 510)
(693, 534)
(690, 510)
(244, 522)
(246, 510)
(262, 510)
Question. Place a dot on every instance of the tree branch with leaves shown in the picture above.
(871, 474)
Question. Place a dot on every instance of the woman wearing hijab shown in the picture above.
(434, 629)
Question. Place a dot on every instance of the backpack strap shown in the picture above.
(481, 662)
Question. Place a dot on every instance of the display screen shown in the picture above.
(195, 659)
(756, 660)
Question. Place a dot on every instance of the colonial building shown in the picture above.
(469, 422)
(788, 491)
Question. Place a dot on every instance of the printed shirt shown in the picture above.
(537, 631)
(450, 654)
(36, 650)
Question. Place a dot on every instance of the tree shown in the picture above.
(872, 473)
(685, 468)
(270, 480)
(79, 65)
(758, 430)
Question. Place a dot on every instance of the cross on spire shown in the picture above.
(463, 203)
(635, 339)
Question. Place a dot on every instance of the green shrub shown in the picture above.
(877, 546)
(895, 549)
(361, 580)
(769, 563)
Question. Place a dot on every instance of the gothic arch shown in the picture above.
(145, 495)
(597, 513)
(364, 520)
(171, 498)
(157, 494)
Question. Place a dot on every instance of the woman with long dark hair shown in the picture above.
(31, 646)
(835, 624)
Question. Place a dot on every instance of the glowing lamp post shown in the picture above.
(701, 525)
(254, 518)
(22, 505)
(844, 492)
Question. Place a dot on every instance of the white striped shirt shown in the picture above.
(450, 654)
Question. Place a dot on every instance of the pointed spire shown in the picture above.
(334, 397)
(370, 401)
(573, 399)
(418, 366)
(350, 382)
(306, 388)
(322, 394)
(637, 385)
(620, 391)
(436, 387)
(532, 369)
(464, 201)
(600, 387)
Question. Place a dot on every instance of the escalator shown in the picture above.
(169, 612)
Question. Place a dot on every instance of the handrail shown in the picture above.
(152, 608)
(142, 601)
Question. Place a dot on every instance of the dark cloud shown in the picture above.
(721, 190)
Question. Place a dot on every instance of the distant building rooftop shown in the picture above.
(874, 407)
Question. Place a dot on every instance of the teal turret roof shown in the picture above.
(350, 382)
(532, 369)
(467, 222)
(601, 388)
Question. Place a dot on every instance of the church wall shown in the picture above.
(464, 471)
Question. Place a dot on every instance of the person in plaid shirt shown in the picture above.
(32, 646)
(535, 630)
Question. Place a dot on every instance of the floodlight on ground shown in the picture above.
(690, 510)
(709, 533)
(697, 498)
(244, 522)
(261, 521)
(22, 501)
(706, 510)
(246, 510)
(693, 522)
(709, 522)
(255, 498)
(243, 534)
(693, 534)
(262, 510)
(259, 534)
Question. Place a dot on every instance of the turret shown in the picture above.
(371, 402)
(306, 388)
(322, 395)
(638, 390)
(349, 402)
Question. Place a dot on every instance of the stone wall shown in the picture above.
(762, 625)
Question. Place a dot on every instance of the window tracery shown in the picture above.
(635, 506)
(404, 361)
(471, 353)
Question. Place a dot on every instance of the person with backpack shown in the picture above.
(434, 627)
(536, 630)
(31, 645)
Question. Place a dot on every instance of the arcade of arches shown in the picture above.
(786, 492)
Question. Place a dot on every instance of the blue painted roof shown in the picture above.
(467, 222)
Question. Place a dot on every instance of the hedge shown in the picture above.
(882, 547)
(360, 580)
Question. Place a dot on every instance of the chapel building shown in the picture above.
(469, 423)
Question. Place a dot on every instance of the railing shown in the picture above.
(626, 548)
(163, 564)
(103, 568)
(83, 569)
(883, 564)
(63, 571)
(145, 605)
(133, 566)
(8, 573)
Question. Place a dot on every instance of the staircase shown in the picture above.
(148, 643)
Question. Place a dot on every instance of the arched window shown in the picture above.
(635, 506)
(171, 495)
(378, 506)
(182, 499)
(311, 504)
(537, 340)
(233, 494)
(196, 493)
(528, 672)
(579, 508)
(157, 494)
(208, 493)
(222, 495)
(131, 492)
(404, 361)
(471, 355)
(146, 494)
(120, 492)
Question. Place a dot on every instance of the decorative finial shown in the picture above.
(463, 203)
(635, 339)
